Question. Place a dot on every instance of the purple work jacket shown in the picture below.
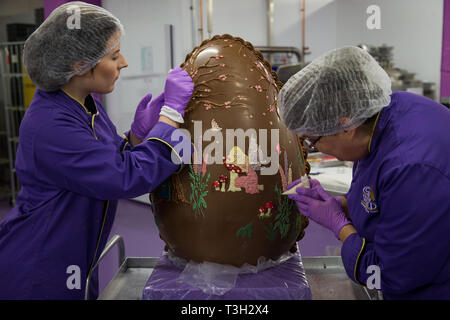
(399, 203)
(73, 166)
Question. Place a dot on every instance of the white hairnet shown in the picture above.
(75, 33)
(335, 92)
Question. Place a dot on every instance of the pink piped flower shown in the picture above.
(258, 88)
(222, 77)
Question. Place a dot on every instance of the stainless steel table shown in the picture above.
(326, 277)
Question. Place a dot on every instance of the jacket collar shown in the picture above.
(381, 123)
(88, 106)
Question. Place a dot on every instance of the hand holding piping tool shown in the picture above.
(302, 182)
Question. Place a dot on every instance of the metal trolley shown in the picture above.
(326, 277)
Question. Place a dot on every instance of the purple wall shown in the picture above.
(445, 64)
(50, 5)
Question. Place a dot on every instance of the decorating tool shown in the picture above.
(304, 182)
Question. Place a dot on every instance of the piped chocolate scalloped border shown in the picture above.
(248, 45)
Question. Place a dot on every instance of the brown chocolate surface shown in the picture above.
(228, 212)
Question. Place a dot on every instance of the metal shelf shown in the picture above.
(15, 108)
(17, 94)
(14, 75)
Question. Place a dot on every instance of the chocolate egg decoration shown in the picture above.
(227, 206)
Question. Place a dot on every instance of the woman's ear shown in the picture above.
(78, 66)
(347, 123)
(351, 133)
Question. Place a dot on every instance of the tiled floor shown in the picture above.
(135, 223)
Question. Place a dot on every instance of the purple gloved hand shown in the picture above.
(321, 207)
(313, 184)
(147, 115)
(178, 90)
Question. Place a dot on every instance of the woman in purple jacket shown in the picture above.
(395, 220)
(72, 164)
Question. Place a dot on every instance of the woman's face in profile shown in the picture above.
(107, 71)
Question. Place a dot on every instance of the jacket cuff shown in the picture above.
(125, 141)
(172, 114)
(352, 251)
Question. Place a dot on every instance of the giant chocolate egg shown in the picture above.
(227, 206)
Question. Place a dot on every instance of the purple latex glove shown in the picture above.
(147, 115)
(178, 90)
(321, 207)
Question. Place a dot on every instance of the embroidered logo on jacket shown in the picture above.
(368, 200)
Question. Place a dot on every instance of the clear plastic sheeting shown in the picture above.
(176, 279)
